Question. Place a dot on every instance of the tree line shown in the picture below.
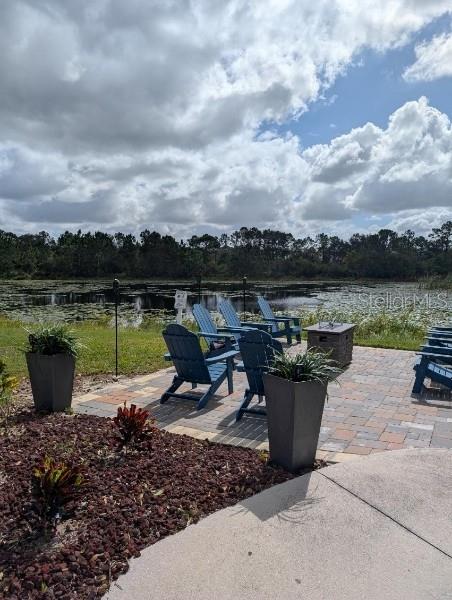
(251, 251)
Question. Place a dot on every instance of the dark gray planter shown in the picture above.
(294, 415)
(52, 379)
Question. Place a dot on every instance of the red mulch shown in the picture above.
(128, 501)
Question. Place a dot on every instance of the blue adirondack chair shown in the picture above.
(233, 321)
(217, 338)
(439, 333)
(289, 330)
(257, 349)
(443, 342)
(442, 327)
(195, 368)
(431, 364)
(441, 352)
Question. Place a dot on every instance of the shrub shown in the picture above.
(53, 339)
(436, 282)
(131, 423)
(309, 366)
(54, 485)
(370, 323)
(8, 383)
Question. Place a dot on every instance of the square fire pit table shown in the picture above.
(336, 338)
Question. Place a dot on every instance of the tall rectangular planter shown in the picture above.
(294, 416)
(52, 380)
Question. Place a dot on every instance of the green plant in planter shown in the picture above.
(53, 339)
(53, 486)
(295, 392)
(8, 384)
(51, 354)
(308, 366)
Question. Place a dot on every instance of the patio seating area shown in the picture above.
(370, 410)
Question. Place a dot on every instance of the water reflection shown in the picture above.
(143, 297)
(75, 300)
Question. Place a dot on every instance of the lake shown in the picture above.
(32, 300)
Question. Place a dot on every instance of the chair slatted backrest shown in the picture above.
(440, 349)
(204, 321)
(266, 311)
(229, 314)
(258, 349)
(440, 343)
(186, 354)
(440, 374)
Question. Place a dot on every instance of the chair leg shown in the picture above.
(194, 385)
(172, 388)
(288, 334)
(230, 368)
(246, 400)
(298, 338)
(210, 392)
(204, 399)
(421, 370)
(418, 384)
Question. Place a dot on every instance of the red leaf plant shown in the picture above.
(131, 423)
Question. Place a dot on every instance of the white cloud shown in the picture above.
(124, 115)
(420, 221)
(433, 60)
(372, 171)
(404, 170)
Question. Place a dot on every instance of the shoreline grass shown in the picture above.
(399, 330)
(216, 279)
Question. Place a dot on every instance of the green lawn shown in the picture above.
(142, 349)
(388, 339)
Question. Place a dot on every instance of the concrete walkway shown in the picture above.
(371, 410)
(379, 528)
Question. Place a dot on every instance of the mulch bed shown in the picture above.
(128, 501)
(82, 385)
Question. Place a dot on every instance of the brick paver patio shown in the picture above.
(370, 410)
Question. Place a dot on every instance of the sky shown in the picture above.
(198, 116)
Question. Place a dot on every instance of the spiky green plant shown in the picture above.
(54, 485)
(311, 365)
(8, 383)
(53, 339)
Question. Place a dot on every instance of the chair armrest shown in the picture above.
(231, 329)
(221, 357)
(439, 334)
(253, 325)
(285, 319)
(278, 319)
(434, 355)
(218, 336)
(437, 349)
